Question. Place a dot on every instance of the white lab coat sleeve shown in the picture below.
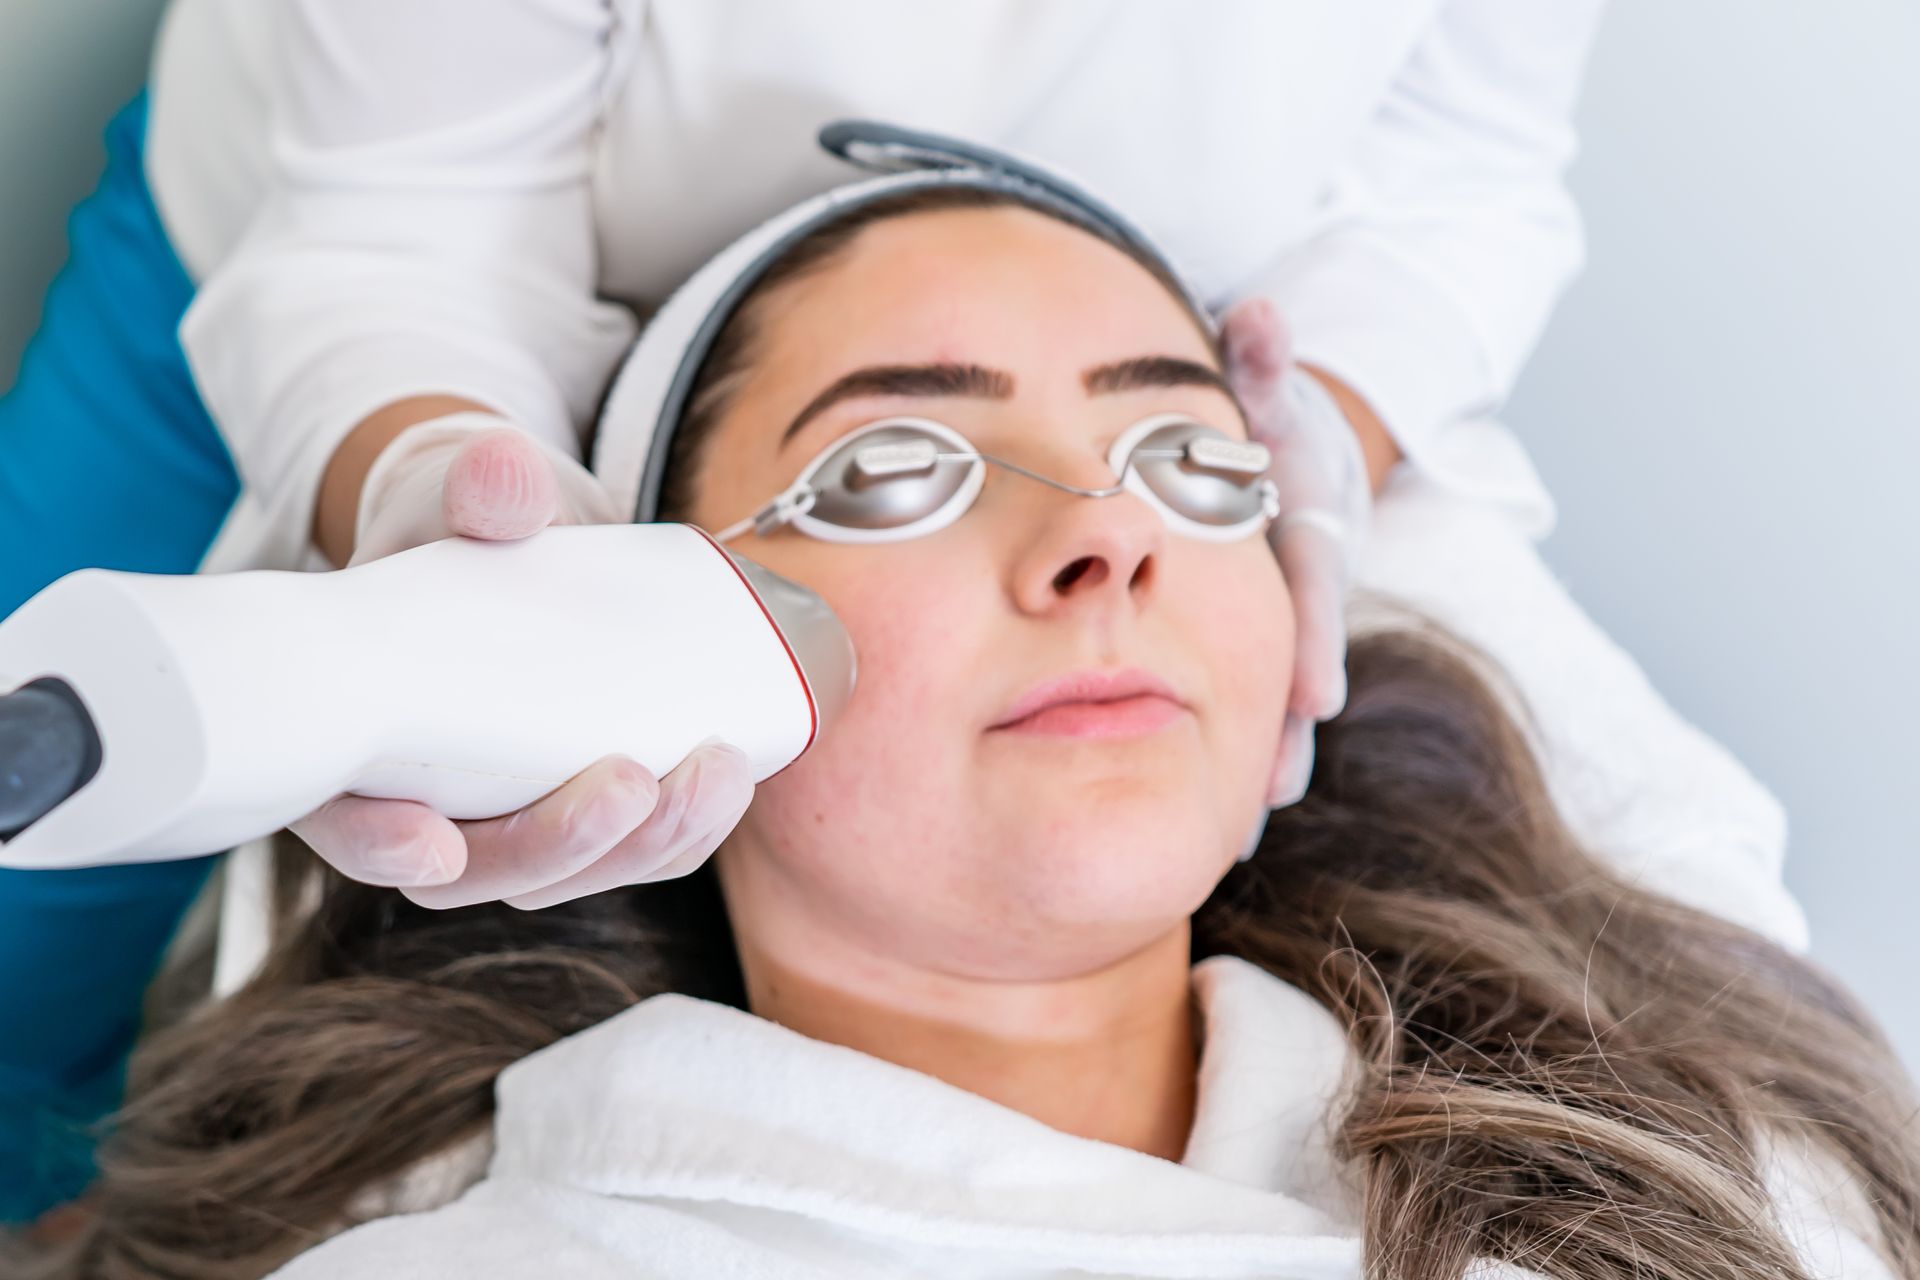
(1819, 1207)
(1446, 235)
(1644, 789)
(1822, 1209)
(427, 229)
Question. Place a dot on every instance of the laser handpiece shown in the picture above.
(150, 716)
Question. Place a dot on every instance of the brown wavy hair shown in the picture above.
(1555, 1067)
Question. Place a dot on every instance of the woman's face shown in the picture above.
(913, 829)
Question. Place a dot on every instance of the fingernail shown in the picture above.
(411, 862)
(504, 476)
(604, 809)
(1336, 700)
(714, 742)
(438, 872)
(631, 780)
(1293, 788)
(497, 490)
(1253, 840)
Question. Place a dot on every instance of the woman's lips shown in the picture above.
(1122, 718)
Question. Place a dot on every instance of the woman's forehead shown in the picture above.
(964, 275)
(1009, 289)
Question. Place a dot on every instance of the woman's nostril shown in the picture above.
(1096, 566)
(1072, 573)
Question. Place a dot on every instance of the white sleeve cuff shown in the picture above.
(1376, 321)
(1665, 805)
(285, 405)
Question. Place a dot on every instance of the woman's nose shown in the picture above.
(1076, 547)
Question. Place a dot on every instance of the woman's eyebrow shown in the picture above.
(951, 379)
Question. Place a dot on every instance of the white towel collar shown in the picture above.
(688, 1098)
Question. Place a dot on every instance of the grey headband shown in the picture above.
(644, 407)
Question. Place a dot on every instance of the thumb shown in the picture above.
(1293, 767)
(583, 498)
(1258, 347)
(498, 486)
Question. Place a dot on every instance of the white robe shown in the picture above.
(686, 1138)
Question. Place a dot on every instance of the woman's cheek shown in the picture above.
(893, 754)
(915, 659)
(914, 649)
(1258, 632)
(1280, 634)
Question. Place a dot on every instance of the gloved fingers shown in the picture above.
(1293, 767)
(385, 842)
(1259, 350)
(402, 499)
(702, 800)
(1319, 469)
(477, 475)
(697, 851)
(499, 485)
(551, 838)
(401, 509)
(1317, 465)
(583, 498)
(1313, 563)
(578, 495)
(1323, 476)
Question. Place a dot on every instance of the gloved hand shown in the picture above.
(474, 474)
(1326, 506)
(614, 823)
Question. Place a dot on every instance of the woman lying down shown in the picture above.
(959, 997)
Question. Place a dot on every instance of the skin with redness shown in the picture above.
(1008, 913)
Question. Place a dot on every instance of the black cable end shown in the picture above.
(49, 749)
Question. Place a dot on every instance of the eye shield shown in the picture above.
(906, 477)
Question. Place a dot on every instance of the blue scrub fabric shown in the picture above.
(107, 459)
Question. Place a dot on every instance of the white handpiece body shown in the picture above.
(472, 676)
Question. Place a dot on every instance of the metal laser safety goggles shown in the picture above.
(906, 477)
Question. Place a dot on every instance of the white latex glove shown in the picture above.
(1326, 505)
(474, 474)
(614, 823)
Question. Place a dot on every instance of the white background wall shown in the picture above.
(1725, 404)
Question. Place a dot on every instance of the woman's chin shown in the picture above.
(1092, 872)
(1053, 931)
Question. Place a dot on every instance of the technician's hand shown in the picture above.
(614, 823)
(1326, 505)
(472, 474)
